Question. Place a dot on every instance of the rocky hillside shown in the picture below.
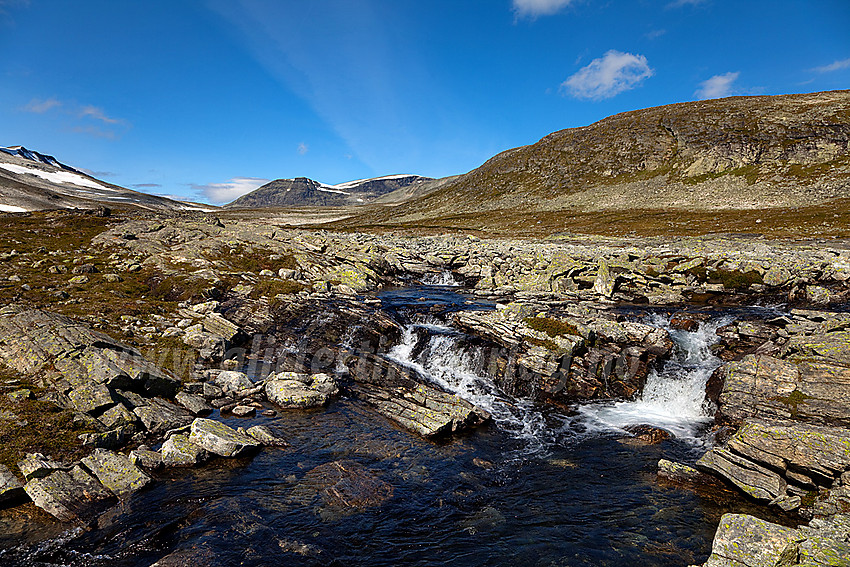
(31, 181)
(739, 153)
(305, 192)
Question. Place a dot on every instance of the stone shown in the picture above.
(265, 436)
(244, 411)
(69, 496)
(178, 451)
(209, 346)
(745, 541)
(220, 439)
(112, 439)
(232, 382)
(118, 416)
(11, 489)
(195, 404)
(160, 415)
(36, 465)
(300, 391)
(605, 283)
(818, 295)
(221, 327)
(751, 478)
(145, 458)
(90, 398)
(18, 396)
(79, 280)
(116, 472)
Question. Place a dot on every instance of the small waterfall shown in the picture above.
(445, 362)
(674, 397)
(444, 279)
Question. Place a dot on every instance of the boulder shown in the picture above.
(232, 382)
(118, 416)
(220, 439)
(116, 472)
(299, 391)
(178, 451)
(89, 398)
(160, 415)
(745, 541)
(343, 488)
(194, 403)
(11, 489)
(69, 496)
(145, 458)
(112, 439)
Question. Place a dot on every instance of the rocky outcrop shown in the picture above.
(69, 496)
(116, 472)
(743, 540)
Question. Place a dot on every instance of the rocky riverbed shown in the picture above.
(134, 339)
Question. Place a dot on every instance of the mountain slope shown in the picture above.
(305, 192)
(31, 181)
(729, 154)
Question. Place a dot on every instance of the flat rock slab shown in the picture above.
(220, 439)
(423, 410)
(116, 472)
(178, 451)
(745, 541)
(160, 415)
(89, 398)
(69, 496)
(233, 382)
(11, 489)
(763, 386)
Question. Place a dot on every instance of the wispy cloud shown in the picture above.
(303, 148)
(655, 34)
(534, 8)
(717, 86)
(145, 185)
(229, 190)
(834, 66)
(681, 3)
(95, 132)
(41, 106)
(90, 111)
(608, 76)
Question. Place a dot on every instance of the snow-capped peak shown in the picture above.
(22, 152)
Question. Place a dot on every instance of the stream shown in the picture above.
(539, 486)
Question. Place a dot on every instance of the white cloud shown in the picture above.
(834, 66)
(41, 106)
(303, 148)
(717, 87)
(229, 190)
(98, 114)
(534, 8)
(608, 76)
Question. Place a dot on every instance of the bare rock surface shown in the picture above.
(69, 496)
(219, 439)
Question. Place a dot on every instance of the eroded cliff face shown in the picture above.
(737, 152)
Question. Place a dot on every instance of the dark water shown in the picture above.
(492, 497)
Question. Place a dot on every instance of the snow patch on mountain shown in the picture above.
(56, 176)
(22, 152)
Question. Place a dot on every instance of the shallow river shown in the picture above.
(536, 487)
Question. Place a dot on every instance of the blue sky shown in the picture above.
(208, 99)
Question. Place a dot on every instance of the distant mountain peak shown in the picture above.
(37, 157)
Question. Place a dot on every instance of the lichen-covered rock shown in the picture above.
(194, 403)
(265, 436)
(145, 458)
(745, 541)
(69, 496)
(116, 472)
(300, 391)
(158, 416)
(118, 416)
(11, 489)
(220, 439)
(233, 382)
(178, 451)
(36, 465)
(90, 398)
(763, 386)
